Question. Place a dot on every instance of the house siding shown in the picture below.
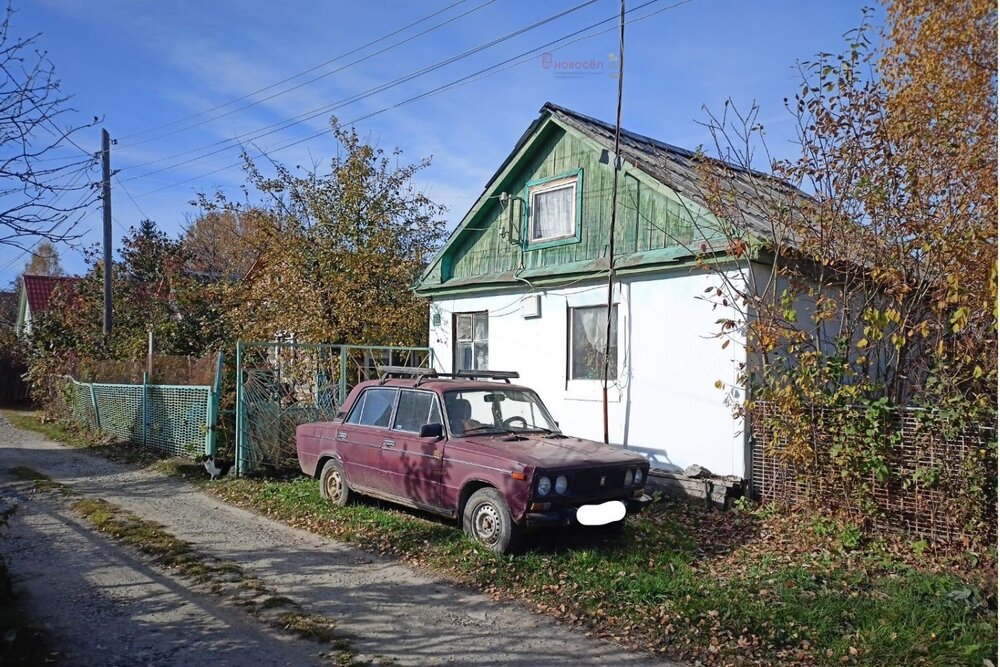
(665, 403)
(493, 239)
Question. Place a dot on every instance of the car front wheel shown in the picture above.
(487, 520)
(333, 484)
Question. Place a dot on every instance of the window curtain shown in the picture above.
(553, 213)
(589, 336)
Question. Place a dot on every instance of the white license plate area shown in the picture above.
(601, 515)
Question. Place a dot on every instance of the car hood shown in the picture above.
(545, 451)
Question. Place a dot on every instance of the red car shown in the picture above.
(473, 447)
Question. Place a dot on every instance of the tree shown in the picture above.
(340, 251)
(44, 261)
(881, 291)
(219, 242)
(44, 184)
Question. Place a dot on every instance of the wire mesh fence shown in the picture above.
(175, 419)
(282, 384)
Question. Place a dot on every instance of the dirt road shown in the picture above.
(103, 604)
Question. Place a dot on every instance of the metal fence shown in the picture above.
(176, 419)
(920, 495)
(280, 385)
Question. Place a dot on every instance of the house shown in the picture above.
(522, 284)
(36, 294)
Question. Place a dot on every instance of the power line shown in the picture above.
(307, 71)
(483, 73)
(314, 113)
(131, 198)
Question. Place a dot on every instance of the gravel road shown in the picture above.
(103, 605)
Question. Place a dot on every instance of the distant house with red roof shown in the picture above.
(36, 294)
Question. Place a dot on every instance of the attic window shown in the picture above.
(553, 210)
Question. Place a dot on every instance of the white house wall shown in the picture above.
(665, 404)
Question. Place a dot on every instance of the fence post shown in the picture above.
(212, 416)
(240, 411)
(342, 385)
(93, 402)
(145, 421)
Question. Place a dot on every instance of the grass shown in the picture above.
(755, 586)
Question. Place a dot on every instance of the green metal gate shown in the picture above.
(280, 385)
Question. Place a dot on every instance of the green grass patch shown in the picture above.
(717, 587)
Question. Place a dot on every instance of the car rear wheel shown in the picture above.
(487, 520)
(333, 484)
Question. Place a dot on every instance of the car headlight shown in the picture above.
(544, 485)
(561, 484)
(628, 478)
(638, 476)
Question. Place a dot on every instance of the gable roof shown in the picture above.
(676, 169)
(38, 290)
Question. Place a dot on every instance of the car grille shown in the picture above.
(586, 482)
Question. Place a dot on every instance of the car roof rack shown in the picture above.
(489, 375)
(421, 374)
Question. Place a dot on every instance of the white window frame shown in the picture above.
(473, 341)
(560, 184)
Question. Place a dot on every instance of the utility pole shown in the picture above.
(617, 163)
(106, 196)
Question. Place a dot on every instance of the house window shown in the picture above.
(587, 330)
(472, 351)
(553, 210)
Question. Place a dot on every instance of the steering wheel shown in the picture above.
(507, 423)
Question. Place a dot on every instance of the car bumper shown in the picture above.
(566, 516)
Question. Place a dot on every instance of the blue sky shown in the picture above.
(142, 65)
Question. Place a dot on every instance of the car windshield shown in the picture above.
(503, 409)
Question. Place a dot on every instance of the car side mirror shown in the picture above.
(432, 431)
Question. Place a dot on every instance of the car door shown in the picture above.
(362, 435)
(413, 464)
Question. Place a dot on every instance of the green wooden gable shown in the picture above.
(657, 226)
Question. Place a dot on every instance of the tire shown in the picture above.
(487, 520)
(333, 484)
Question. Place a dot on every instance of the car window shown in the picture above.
(416, 408)
(502, 408)
(374, 408)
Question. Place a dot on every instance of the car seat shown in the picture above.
(459, 411)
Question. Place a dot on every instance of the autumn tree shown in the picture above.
(44, 261)
(152, 292)
(340, 250)
(875, 283)
(219, 242)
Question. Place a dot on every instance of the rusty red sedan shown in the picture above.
(473, 447)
